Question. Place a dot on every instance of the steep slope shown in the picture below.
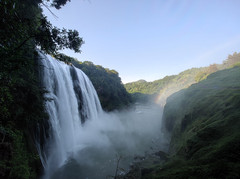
(203, 124)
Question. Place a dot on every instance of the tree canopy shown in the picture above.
(23, 21)
(108, 85)
(23, 29)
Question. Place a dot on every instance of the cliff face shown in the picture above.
(203, 123)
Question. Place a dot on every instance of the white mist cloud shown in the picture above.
(126, 134)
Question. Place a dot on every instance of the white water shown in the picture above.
(84, 140)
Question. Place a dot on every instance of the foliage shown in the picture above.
(52, 39)
(23, 22)
(107, 83)
(18, 161)
(23, 29)
(231, 60)
(58, 3)
(202, 75)
(145, 87)
(21, 106)
(163, 87)
(203, 124)
(171, 84)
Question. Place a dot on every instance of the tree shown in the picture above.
(23, 29)
(107, 83)
(22, 21)
(58, 3)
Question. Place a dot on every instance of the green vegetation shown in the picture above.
(145, 87)
(203, 125)
(23, 28)
(163, 87)
(171, 84)
(17, 161)
(108, 85)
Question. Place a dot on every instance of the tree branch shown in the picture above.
(49, 10)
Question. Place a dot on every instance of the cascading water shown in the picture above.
(81, 140)
(72, 99)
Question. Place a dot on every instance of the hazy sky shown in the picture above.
(149, 39)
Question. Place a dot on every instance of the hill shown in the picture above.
(202, 123)
(160, 89)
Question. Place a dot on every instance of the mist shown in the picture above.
(126, 135)
(86, 142)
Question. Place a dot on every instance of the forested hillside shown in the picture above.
(203, 125)
(108, 85)
(163, 88)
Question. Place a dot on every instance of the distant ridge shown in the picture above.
(159, 90)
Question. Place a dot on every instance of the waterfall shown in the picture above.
(71, 100)
(80, 140)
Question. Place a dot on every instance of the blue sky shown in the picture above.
(149, 39)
